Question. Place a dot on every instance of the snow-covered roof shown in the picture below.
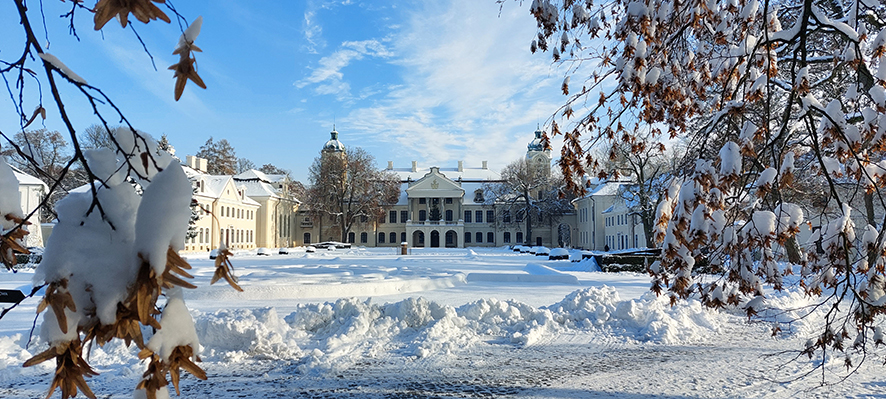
(252, 174)
(466, 174)
(257, 188)
(404, 196)
(607, 188)
(333, 145)
(26, 179)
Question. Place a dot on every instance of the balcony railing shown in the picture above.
(435, 223)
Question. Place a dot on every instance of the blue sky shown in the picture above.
(431, 81)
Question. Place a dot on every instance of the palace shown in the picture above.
(446, 207)
(441, 207)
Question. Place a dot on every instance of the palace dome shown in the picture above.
(333, 145)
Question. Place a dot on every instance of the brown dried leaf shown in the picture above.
(143, 10)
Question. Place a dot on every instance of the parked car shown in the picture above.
(263, 251)
(332, 245)
(559, 254)
(283, 251)
(518, 248)
(310, 249)
(541, 251)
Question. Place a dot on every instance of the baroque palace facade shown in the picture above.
(467, 218)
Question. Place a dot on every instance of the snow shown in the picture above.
(168, 195)
(766, 178)
(10, 200)
(176, 327)
(730, 159)
(57, 64)
(189, 35)
(309, 325)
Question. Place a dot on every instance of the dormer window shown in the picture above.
(478, 196)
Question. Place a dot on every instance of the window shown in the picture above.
(507, 237)
(467, 238)
(490, 216)
(449, 215)
(448, 200)
(393, 238)
(490, 237)
(393, 217)
(519, 218)
(363, 219)
(478, 196)
(402, 236)
(479, 216)
(307, 238)
(422, 215)
(519, 237)
(422, 200)
(381, 238)
(506, 216)
(404, 216)
(201, 236)
(435, 201)
(479, 236)
(351, 237)
(467, 216)
(364, 237)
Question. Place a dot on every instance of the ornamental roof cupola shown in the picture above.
(333, 145)
(538, 143)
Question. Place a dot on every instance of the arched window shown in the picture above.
(307, 238)
(351, 237)
(422, 215)
(402, 236)
(467, 238)
(507, 237)
(381, 238)
(479, 236)
(393, 239)
(506, 216)
(490, 237)
(519, 237)
(449, 215)
(364, 238)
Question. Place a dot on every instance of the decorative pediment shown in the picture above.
(434, 184)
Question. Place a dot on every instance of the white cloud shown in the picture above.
(471, 89)
(312, 32)
(328, 75)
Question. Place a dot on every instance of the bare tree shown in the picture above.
(530, 193)
(96, 136)
(220, 156)
(650, 168)
(273, 170)
(348, 187)
(244, 164)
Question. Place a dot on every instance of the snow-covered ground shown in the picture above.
(369, 323)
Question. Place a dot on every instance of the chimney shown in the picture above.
(194, 162)
(414, 166)
(390, 165)
(461, 166)
(484, 165)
